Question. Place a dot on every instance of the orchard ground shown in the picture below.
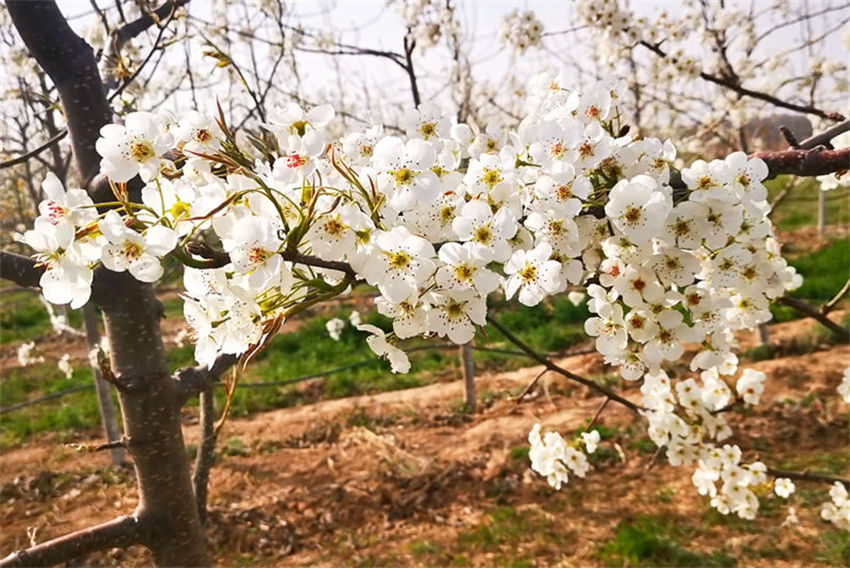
(366, 468)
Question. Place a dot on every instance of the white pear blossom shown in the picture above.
(133, 148)
(136, 252)
(532, 274)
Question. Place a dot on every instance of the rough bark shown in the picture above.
(150, 398)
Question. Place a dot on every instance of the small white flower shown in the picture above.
(591, 440)
(377, 341)
(844, 387)
(64, 365)
(532, 274)
(129, 250)
(335, 327)
(134, 147)
(750, 386)
(25, 356)
(783, 487)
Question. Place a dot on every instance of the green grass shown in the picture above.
(824, 273)
(309, 350)
(305, 351)
(507, 529)
(800, 208)
(63, 417)
(650, 541)
(834, 548)
(23, 317)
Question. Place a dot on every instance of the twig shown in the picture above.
(144, 62)
(804, 307)
(123, 442)
(789, 137)
(530, 386)
(560, 370)
(826, 136)
(830, 305)
(598, 413)
(409, 46)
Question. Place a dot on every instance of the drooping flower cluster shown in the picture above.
(437, 221)
(554, 459)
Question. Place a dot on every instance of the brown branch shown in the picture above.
(805, 162)
(807, 476)
(120, 532)
(35, 151)
(145, 61)
(409, 46)
(804, 307)
(20, 269)
(69, 62)
(561, 371)
(733, 85)
(826, 136)
(120, 36)
(218, 259)
(195, 380)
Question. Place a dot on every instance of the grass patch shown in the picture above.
(649, 541)
(834, 548)
(506, 528)
(800, 208)
(824, 273)
(64, 416)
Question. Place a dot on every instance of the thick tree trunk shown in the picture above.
(150, 401)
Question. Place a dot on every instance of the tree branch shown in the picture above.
(21, 270)
(807, 476)
(69, 62)
(120, 532)
(219, 258)
(731, 84)
(803, 307)
(120, 36)
(805, 162)
(830, 305)
(561, 371)
(195, 380)
(826, 136)
(35, 151)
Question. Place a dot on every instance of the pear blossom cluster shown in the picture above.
(428, 20)
(438, 220)
(521, 30)
(552, 457)
(837, 509)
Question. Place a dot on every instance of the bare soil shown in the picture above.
(407, 478)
